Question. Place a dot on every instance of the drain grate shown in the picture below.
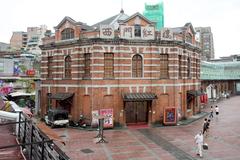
(62, 136)
(87, 150)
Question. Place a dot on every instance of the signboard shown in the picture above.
(127, 32)
(170, 115)
(95, 114)
(147, 33)
(166, 34)
(30, 72)
(108, 117)
(106, 31)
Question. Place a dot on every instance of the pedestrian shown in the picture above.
(211, 112)
(207, 126)
(216, 110)
(199, 141)
(204, 125)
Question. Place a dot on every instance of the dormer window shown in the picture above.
(137, 30)
(189, 38)
(67, 33)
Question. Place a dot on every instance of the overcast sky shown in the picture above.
(221, 15)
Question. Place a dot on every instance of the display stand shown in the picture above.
(100, 131)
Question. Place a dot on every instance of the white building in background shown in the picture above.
(28, 41)
(35, 35)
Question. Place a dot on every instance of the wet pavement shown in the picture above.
(160, 143)
(7, 138)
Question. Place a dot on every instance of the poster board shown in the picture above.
(95, 114)
(170, 116)
(108, 117)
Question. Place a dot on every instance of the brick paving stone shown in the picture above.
(165, 143)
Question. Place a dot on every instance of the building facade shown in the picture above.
(28, 41)
(123, 64)
(18, 41)
(155, 13)
(206, 41)
(220, 77)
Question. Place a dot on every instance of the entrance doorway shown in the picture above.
(136, 112)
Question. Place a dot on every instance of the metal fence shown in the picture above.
(35, 144)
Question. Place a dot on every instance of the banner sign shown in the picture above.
(108, 117)
(95, 114)
(106, 31)
(147, 33)
(127, 32)
(166, 34)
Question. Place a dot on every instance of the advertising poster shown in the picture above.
(170, 116)
(108, 117)
(95, 115)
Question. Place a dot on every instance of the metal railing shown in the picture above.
(35, 144)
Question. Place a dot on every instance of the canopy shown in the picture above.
(61, 96)
(139, 96)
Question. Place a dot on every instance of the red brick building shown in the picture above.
(124, 64)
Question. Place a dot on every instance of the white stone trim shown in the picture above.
(122, 65)
(120, 85)
(57, 66)
(122, 71)
(57, 72)
(97, 72)
(77, 71)
(151, 71)
(44, 67)
(77, 65)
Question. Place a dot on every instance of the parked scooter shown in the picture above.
(80, 123)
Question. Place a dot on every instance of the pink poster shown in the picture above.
(108, 117)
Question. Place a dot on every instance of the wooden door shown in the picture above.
(136, 112)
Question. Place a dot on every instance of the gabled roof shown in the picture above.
(140, 15)
(64, 20)
(114, 20)
(183, 29)
(189, 25)
(84, 26)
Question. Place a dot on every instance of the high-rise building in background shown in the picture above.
(35, 35)
(154, 12)
(18, 41)
(206, 41)
(28, 41)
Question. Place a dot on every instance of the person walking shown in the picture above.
(204, 126)
(207, 127)
(199, 141)
(211, 112)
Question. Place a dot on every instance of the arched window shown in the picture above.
(137, 67)
(67, 33)
(68, 67)
(188, 68)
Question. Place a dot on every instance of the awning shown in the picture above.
(139, 96)
(61, 96)
(194, 93)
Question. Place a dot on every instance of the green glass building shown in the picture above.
(155, 13)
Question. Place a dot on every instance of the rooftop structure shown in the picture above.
(155, 13)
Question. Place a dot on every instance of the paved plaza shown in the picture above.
(160, 143)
